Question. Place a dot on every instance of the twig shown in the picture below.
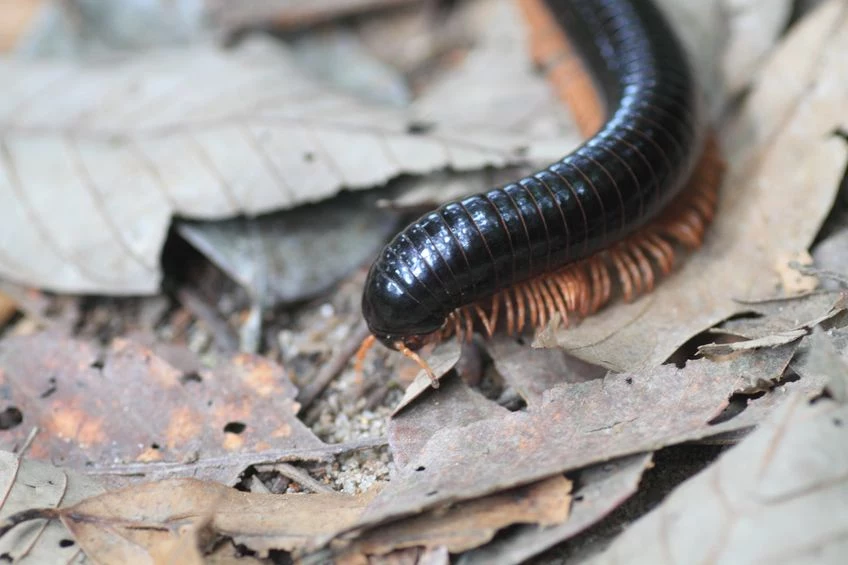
(333, 367)
(224, 336)
(300, 476)
(243, 460)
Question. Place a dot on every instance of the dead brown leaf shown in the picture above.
(785, 167)
(25, 484)
(136, 524)
(453, 405)
(533, 371)
(131, 405)
(441, 361)
(138, 140)
(770, 337)
(780, 496)
(832, 255)
(473, 523)
(574, 425)
(602, 488)
(755, 25)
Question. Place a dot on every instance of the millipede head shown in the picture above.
(393, 313)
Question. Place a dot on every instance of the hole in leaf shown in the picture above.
(418, 128)
(10, 417)
(235, 427)
(421, 468)
(191, 377)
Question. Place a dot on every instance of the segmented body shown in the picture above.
(620, 179)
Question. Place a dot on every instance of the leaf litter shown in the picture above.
(27, 484)
(187, 143)
(748, 506)
(130, 412)
(458, 425)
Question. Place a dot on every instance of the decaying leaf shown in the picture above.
(473, 523)
(533, 371)
(96, 175)
(132, 405)
(832, 255)
(755, 26)
(442, 360)
(785, 167)
(826, 361)
(780, 496)
(27, 484)
(602, 488)
(770, 337)
(136, 524)
(453, 404)
(274, 256)
(575, 425)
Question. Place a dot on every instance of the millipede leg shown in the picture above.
(364, 347)
(510, 318)
(519, 298)
(408, 353)
(484, 319)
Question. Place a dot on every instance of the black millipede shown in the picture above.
(607, 215)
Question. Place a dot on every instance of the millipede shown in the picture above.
(611, 215)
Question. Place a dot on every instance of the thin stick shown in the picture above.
(335, 365)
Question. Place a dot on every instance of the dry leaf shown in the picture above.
(755, 26)
(441, 361)
(792, 280)
(574, 426)
(454, 404)
(26, 484)
(826, 361)
(780, 496)
(96, 176)
(832, 255)
(602, 489)
(785, 167)
(131, 405)
(772, 338)
(473, 523)
(132, 524)
(533, 371)
(273, 256)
